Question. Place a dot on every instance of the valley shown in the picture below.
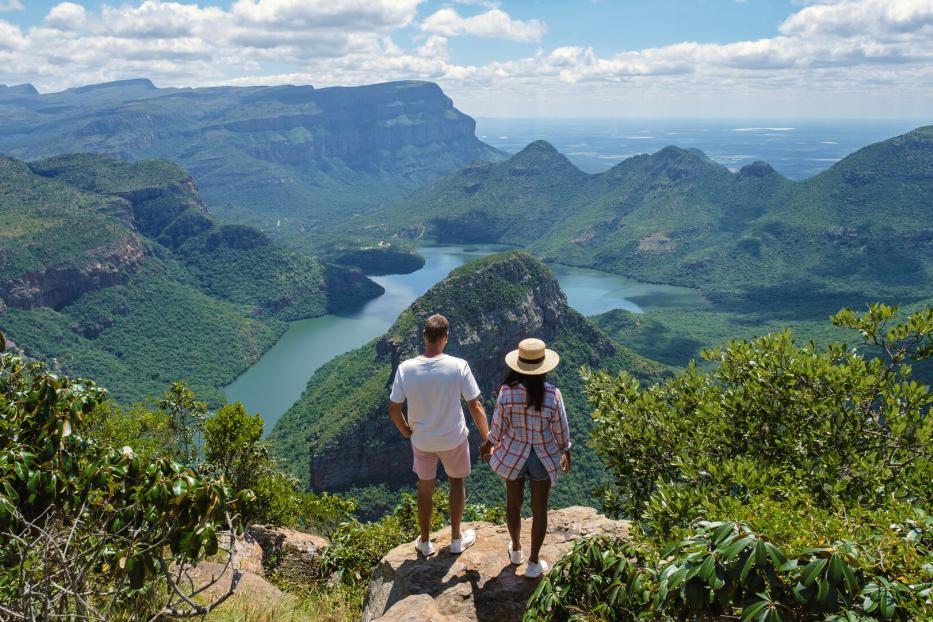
(286, 159)
(279, 377)
(118, 271)
(246, 276)
(491, 303)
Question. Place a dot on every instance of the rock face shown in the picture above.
(478, 584)
(251, 585)
(58, 285)
(368, 143)
(290, 554)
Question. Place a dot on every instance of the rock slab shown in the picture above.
(292, 555)
(479, 584)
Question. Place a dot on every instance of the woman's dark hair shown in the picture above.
(534, 386)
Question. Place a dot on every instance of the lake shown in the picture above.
(277, 379)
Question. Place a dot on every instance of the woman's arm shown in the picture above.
(562, 431)
(560, 428)
(496, 429)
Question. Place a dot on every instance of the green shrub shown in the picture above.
(724, 570)
(785, 484)
(88, 530)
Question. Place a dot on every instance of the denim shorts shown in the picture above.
(533, 469)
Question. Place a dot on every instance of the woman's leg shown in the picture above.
(540, 491)
(514, 498)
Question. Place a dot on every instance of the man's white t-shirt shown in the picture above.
(433, 387)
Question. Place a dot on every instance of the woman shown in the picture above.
(529, 439)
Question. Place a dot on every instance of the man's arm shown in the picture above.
(479, 417)
(395, 411)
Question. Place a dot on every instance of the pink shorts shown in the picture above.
(456, 461)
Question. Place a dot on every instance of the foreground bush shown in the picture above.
(89, 532)
(791, 483)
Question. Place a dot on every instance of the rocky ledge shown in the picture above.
(479, 584)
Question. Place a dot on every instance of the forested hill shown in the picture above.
(492, 304)
(677, 217)
(292, 156)
(118, 272)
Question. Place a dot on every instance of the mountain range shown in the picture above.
(859, 228)
(118, 272)
(287, 158)
(338, 434)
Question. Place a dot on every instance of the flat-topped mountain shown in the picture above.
(118, 272)
(339, 434)
(259, 154)
(677, 217)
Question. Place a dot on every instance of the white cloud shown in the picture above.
(882, 19)
(353, 14)
(11, 38)
(66, 16)
(847, 52)
(493, 24)
(11, 5)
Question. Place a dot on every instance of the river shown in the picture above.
(278, 378)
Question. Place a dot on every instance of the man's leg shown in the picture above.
(456, 501)
(425, 507)
(457, 466)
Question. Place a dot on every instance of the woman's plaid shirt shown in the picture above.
(516, 428)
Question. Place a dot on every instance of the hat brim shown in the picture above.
(551, 359)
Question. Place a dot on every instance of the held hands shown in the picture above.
(565, 461)
(485, 450)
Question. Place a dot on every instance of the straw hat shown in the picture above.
(532, 358)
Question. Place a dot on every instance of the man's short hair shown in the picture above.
(436, 327)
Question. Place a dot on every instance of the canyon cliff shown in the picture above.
(118, 272)
(292, 157)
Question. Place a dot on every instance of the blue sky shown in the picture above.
(549, 58)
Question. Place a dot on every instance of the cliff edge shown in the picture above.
(478, 585)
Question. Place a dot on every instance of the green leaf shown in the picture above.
(707, 568)
(748, 613)
(812, 570)
(835, 569)
(851, 583)
(736, 547)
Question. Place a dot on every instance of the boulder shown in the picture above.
(249, 554)
(250, 585)
(418, 608)
(478, 584)
(292, 555)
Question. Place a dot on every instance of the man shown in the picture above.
(432, 384)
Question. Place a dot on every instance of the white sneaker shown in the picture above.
(465, 541)
(425, 548)
(533, 571)
(516, 557)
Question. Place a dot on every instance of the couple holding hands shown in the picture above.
(529, 438)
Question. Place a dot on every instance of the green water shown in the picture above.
(277, 380)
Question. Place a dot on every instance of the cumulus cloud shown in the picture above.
(840, 47)
(66, 16)
(353, 14)
(11, 38)
(11, 5)
(881, 19)
(493, 24)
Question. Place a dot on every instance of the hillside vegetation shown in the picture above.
(285, 158)
(789, 483)
(117, 271)
(492, 303)
(745, 238)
